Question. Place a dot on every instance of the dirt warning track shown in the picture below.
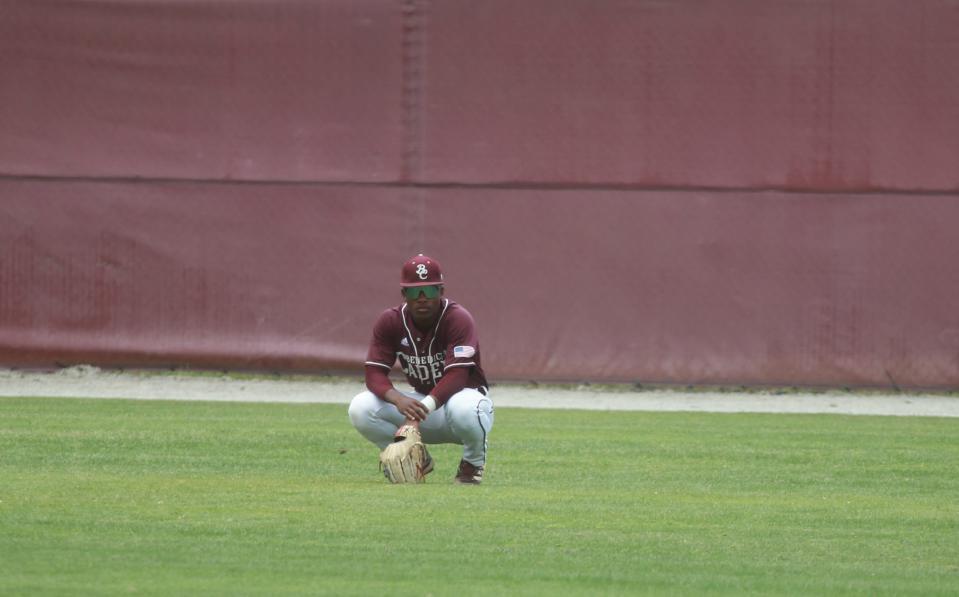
(90, 382)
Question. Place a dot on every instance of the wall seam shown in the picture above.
(413, 58)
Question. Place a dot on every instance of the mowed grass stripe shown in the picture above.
(115, 496)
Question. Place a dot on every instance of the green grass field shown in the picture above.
(182, 498)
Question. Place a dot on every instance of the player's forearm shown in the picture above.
(378, 382)
(393, 396)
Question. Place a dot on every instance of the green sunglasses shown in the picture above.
(413, 293)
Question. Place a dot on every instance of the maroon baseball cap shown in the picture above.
(421, 271)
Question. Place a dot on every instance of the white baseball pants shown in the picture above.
(465, 419)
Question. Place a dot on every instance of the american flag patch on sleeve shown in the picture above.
(463, 352)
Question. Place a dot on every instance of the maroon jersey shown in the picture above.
(425, 356)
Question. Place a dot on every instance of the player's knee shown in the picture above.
(361, 408)
(468, 411)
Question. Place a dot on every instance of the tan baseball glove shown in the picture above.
(406, 460)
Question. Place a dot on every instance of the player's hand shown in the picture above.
(412, 409)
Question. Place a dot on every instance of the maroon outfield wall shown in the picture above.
(626, 191)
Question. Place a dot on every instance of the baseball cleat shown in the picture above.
(428, 465)
(469, 474)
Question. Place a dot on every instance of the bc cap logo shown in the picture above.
(421, 271)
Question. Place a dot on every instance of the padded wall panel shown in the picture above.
(250, 276)
(278, 90)
(825, 95)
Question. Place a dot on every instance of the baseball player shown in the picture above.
(436, 344)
